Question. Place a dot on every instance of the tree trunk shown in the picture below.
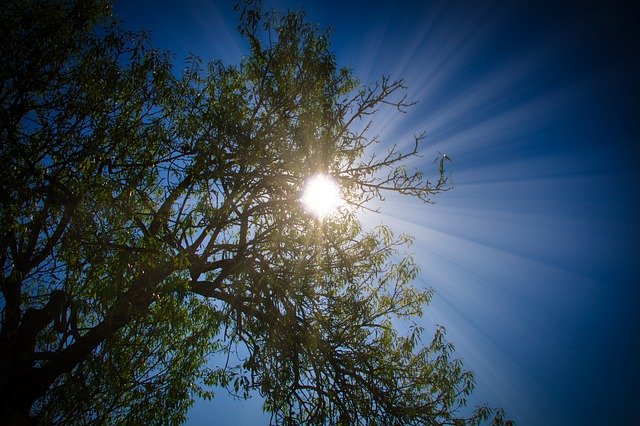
(26, 383)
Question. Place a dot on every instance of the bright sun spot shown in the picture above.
(321, 195)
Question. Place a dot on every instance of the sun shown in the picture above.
(321, 195)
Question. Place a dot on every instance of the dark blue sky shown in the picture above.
(535, 253)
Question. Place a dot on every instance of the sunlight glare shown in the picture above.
(321, 196)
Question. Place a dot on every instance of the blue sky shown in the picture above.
(535, 254)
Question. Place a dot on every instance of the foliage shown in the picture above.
(151, 220)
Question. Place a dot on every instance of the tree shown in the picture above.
(150, 220)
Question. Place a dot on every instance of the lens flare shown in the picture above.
(321, 196)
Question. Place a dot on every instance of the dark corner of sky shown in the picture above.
(611, 53)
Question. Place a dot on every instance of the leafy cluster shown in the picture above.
(152, 220)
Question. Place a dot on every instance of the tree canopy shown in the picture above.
(151, 220)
